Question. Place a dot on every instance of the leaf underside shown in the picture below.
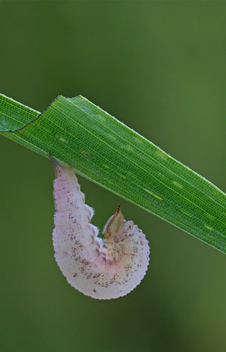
(109, 153)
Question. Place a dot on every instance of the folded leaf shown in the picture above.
(104, 150)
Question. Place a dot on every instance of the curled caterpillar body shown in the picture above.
(102, 269)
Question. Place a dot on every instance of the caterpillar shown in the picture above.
(102, 269)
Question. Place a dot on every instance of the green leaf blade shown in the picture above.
(114, 156)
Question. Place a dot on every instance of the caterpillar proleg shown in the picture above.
(101, 269)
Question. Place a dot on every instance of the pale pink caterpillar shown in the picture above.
(102, 269)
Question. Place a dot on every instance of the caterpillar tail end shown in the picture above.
(57, 166)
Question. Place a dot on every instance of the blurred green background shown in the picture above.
(160, 67)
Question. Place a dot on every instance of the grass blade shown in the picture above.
(104, 150)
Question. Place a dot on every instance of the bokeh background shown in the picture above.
(160, 67)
